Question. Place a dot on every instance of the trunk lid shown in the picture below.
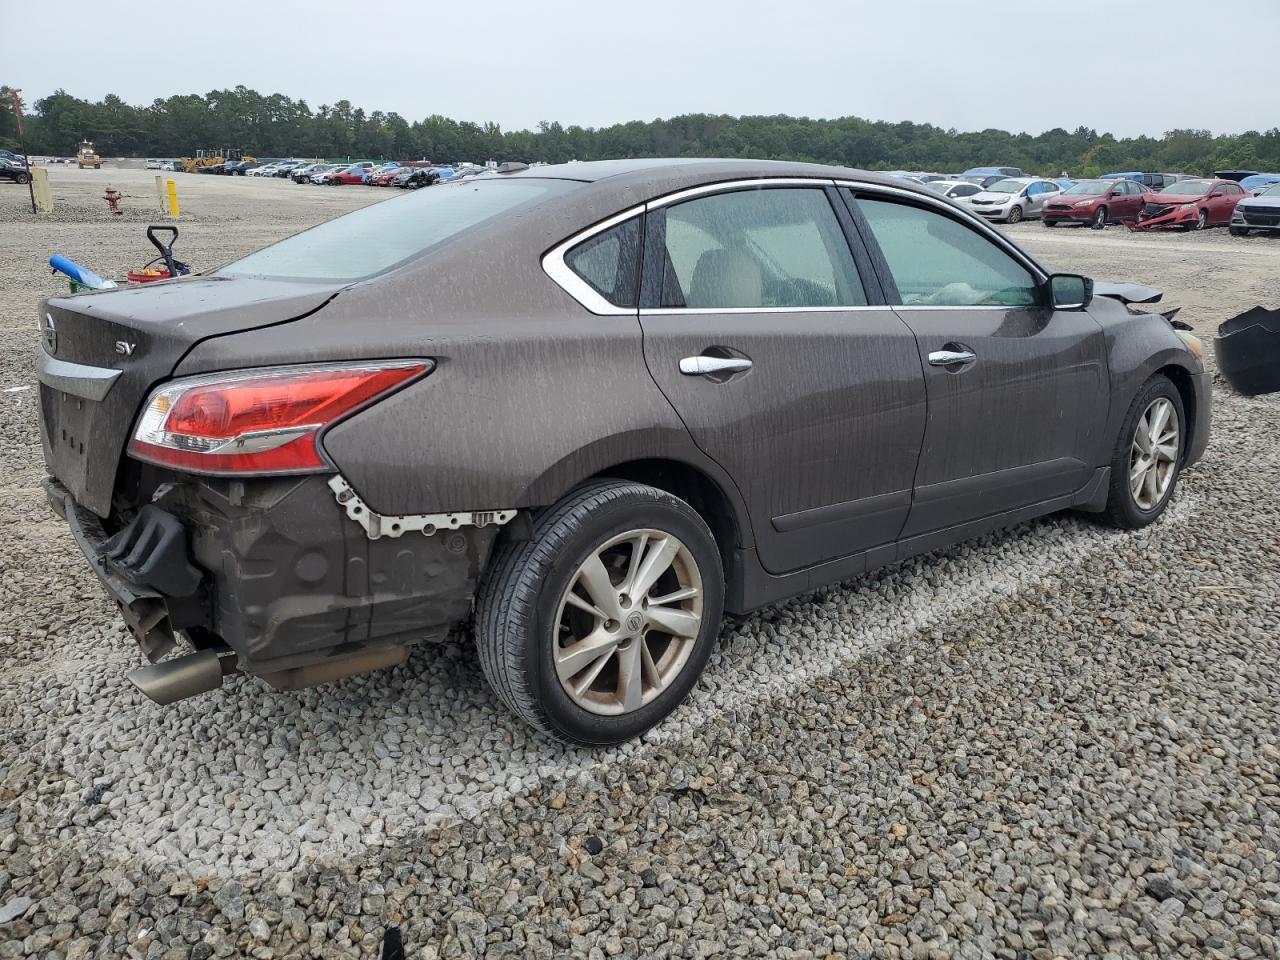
(101, 353)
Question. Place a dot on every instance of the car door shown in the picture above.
(1017, 391)
(1222, 206)
(1035, 194)
(782, 359)
(1130, 204)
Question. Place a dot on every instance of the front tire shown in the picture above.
(1147, 460)
(1099, 218)
(1015, 214)
(1202, 220)
(1238, 231)
(599, 625)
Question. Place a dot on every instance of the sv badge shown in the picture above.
(124, 348)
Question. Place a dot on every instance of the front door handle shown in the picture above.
(701, 365)
(946, 358)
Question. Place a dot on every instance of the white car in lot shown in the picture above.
(266, 170)
(1013, 199)
(954, 189)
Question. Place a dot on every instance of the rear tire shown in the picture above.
(571, 584)
(1153, 467)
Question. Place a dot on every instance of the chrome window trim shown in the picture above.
(553, 263)
(554, 266)
(727, 186)
(667, 311)
(971, 217)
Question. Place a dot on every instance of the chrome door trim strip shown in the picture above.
(77, 379)
(554, 266)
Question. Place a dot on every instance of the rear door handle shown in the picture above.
(701, 365)
(946, 358)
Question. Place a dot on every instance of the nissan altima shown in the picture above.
(589, 408)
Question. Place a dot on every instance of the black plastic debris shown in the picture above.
(1248, 351)
(593, 845)
(392, 945)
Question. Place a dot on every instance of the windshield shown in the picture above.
(938, 186)
(1006, 186)
(1188, 188)
(1271, 192)
(1089, 188)
(385, 235)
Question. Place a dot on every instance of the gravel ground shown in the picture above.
(1057, 742)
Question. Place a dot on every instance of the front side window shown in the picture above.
(937, 261)
(780, 247)
(610, 262)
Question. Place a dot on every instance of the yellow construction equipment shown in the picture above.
(86, 156)
(211, 158)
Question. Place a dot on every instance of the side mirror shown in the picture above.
(1070, 291)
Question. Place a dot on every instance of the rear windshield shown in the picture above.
(382, 236)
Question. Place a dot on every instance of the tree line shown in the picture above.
(275, 125)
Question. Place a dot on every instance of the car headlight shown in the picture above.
(1193, 344)
(1189, 206)
(1082, 203)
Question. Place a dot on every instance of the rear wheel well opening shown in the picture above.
(1182, 381)
(693, 487)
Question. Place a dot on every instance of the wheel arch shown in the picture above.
(1184, 382)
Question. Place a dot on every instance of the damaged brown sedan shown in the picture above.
(592, 407)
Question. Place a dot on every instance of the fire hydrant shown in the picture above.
(112, 196)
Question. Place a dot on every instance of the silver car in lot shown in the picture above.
(1260, 212)
(954, 189)
(1013, 199)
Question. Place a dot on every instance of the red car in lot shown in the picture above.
(1095, 202)
(352, 174)
(1190, 205)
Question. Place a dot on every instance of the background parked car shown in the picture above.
(1013, 199)
(324, 171)
(1095, 202)
(992, 172)
(1259, 182)
(1191, 205)
(955, 189)
(1261, 212)
(306, 171)
(354, 173)
(13, 170)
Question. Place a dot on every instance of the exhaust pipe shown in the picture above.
(174, 680)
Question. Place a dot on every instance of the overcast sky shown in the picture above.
(1023, 67)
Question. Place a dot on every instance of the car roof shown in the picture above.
(707, 170)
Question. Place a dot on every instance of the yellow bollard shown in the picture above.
(173, 199)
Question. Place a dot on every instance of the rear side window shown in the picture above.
(384, 235)
(937, 261)
(779, 247)
(610, 263)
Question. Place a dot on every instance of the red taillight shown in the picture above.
(259, 421)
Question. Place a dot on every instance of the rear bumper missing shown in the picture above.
(279, 573)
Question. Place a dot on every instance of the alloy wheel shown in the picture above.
(628, 621)
(1015, 214)
(1153, 457)
(1202, 220)
(1100, 217)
